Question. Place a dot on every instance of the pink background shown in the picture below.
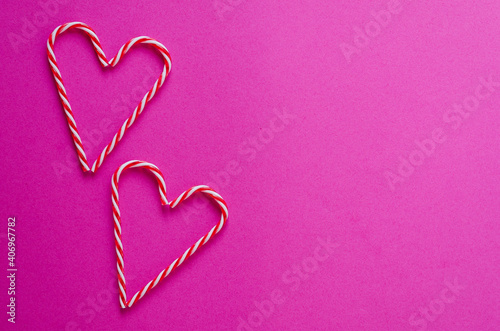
(235, 65)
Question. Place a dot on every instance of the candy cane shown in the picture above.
(104, 62)
(163, 196)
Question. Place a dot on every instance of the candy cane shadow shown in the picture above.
(453, 118)
(291, 281)
(248, 151)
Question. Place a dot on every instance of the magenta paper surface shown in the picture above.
(356, 144)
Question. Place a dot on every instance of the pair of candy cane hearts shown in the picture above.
(124, 303)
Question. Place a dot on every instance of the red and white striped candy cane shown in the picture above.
(104, 62)
(163, 196)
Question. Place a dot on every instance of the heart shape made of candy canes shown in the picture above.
(105, 63)
(163, 196)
